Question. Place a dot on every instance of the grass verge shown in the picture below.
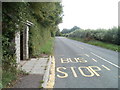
(9, 78)
(47, 48)
(99, 43)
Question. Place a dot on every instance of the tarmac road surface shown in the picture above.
(80, 65)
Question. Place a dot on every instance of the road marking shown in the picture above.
(70, 60)
(73, 71)
(94, 60)
(78, 46)
(106, 60)
(81, 71)
(81, 48)
(106, 67)
(51, 81)
(94, 70)
(64, 60)
(76, 59)
(65, 74)
(82, 60)
(87, 55)
(88, 71)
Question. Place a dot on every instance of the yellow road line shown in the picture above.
(94, 70)
(73, 70)
(105, 67)
(94, 60)
(81, 71)
(51, 82)
(87, 55)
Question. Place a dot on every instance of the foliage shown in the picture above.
(12, 15)
(8, 77)
(65, 31)
(48, 14)
(45, 16)
(47, 48)
(58, 33)
(99, 43)
(109, 36)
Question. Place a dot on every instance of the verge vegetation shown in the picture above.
(99, 43)
(44, 15)
(107, 38)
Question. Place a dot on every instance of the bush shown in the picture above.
(109, 36)
(45, 16)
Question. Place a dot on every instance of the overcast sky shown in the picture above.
(90, 14)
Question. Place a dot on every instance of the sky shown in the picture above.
(89, 14)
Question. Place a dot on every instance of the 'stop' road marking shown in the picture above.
(106, 60)
(73, 71)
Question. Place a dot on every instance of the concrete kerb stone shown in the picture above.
(47, 72)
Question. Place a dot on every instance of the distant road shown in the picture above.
(80, 65)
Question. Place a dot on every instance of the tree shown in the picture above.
(64, 31)
(58, 33)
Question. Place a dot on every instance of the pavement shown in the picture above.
(80, 65)
(37, 68)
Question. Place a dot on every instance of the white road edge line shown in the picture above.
(106, 60)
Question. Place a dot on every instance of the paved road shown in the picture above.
(80, 65)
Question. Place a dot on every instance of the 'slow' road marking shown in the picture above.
(106, 60)
(106, 67)
(94, 60)
(87, 55)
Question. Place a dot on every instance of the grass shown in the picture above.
(47, 48)
(41, 82)
(99, 43)
(0, 78)
(9, 77)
